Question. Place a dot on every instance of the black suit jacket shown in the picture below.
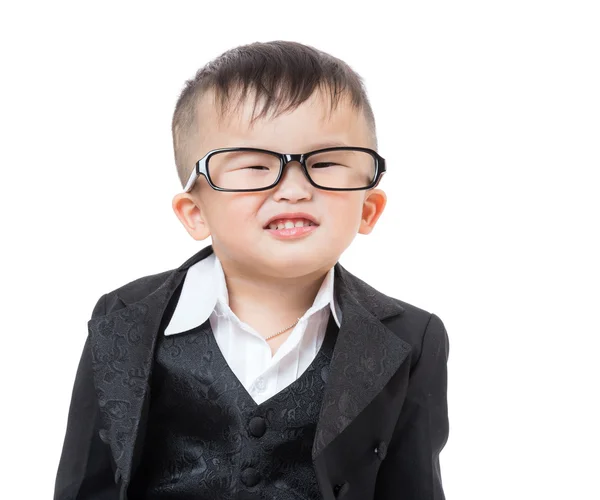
(383, 421)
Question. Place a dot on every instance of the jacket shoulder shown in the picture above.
(130, 292)
(413, 325)
(412, 310)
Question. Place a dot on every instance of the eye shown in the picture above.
(257, 167)
(323, 164)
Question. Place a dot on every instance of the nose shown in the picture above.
(293, 186)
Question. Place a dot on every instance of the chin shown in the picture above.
(295, 262)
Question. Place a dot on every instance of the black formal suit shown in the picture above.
(382, 423)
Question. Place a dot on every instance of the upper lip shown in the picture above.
(291, 215)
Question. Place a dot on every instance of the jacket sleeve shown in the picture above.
(85, 469)
(411, 468)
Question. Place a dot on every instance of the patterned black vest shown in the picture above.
(206, 438)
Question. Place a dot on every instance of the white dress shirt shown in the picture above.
(204, 296)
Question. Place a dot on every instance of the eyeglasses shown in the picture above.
(252, 169)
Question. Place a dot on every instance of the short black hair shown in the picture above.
(280, 74)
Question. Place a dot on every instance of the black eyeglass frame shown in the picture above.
(284, 159)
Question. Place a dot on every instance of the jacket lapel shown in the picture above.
(365, 357)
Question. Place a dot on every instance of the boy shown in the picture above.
(261, 368)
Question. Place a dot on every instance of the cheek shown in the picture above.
(232, 214)
(344, 212)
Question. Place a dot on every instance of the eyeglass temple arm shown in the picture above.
(191, 180)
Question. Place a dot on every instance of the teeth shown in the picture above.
(288, 224)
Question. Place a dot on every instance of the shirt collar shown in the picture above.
(204, 286)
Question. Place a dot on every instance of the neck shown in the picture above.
(270, 303)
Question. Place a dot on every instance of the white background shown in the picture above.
(489, 118)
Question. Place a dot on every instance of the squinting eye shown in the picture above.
(323, 164)
(257, 167)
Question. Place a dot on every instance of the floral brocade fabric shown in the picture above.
(206, 438)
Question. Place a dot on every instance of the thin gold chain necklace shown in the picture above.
(281, 331)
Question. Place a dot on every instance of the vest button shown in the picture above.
(250, 477)
(257, 426)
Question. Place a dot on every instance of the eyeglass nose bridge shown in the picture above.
(286, 158)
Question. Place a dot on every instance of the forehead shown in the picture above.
(312, 125)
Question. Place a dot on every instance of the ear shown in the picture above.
(188, 211)
(375, 200)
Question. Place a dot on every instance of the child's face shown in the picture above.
(236, 221)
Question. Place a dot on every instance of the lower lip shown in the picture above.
(292, 232)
